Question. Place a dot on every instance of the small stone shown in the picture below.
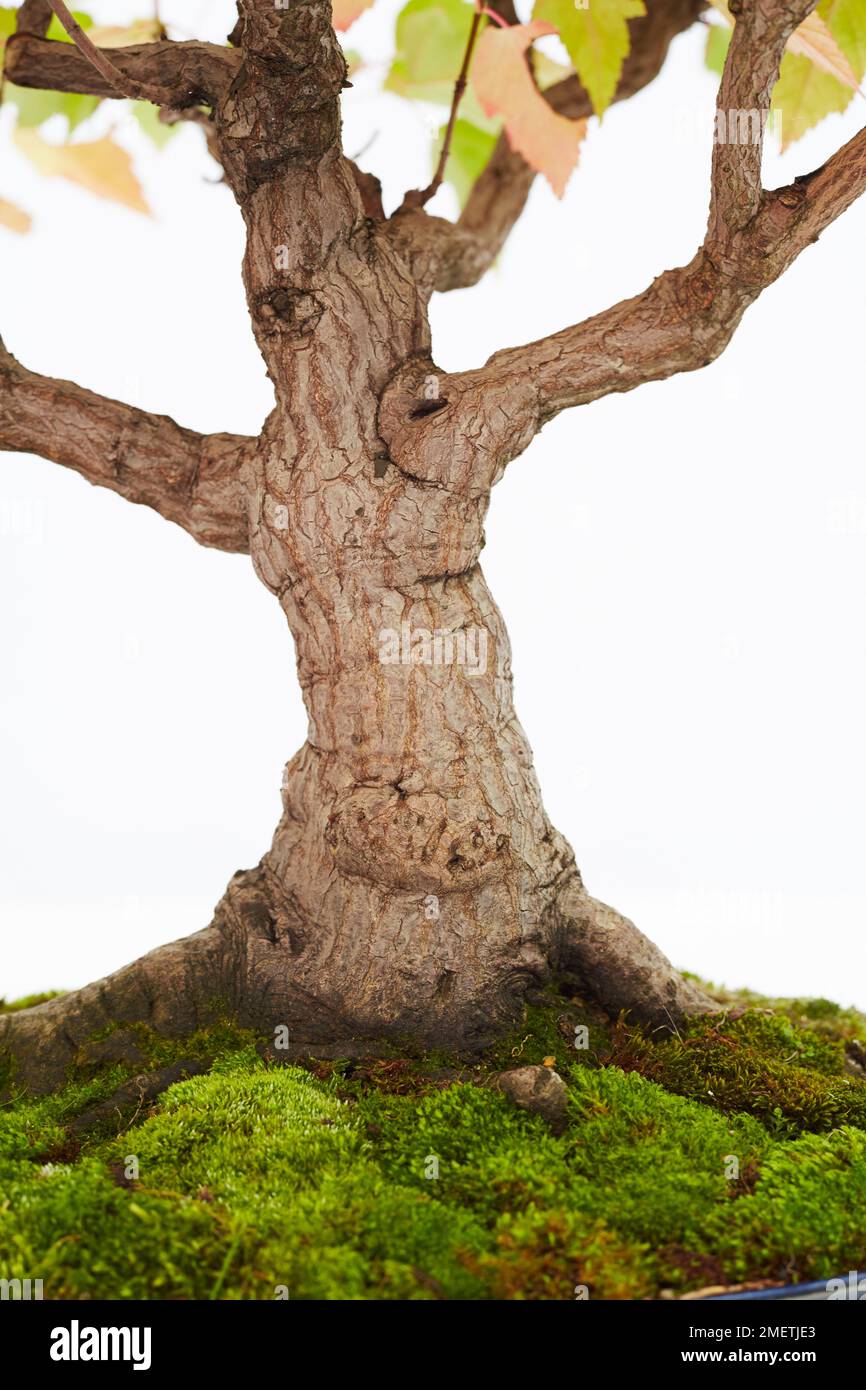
(539, 1089)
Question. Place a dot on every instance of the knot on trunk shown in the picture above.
(457, 430)
(417, 841)
(285, 310)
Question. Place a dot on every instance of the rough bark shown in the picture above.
(414, 888)
(185, 73)
(192, 479)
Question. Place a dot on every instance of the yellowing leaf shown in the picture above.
(846, 20)
(597, 39)
(100, 166)
(814, 41)
(15, 218)
(113, 36)
(504, 86)
(804, 95)
(345, 12)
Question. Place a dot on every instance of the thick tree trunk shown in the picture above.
(414, 888)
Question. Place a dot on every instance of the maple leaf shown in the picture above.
(804, 95)
(345, 12)
(100, 166)
(846, 20)
(814, 40)
(597, 40)
(503, 84)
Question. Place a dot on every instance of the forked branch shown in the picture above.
(686, 317)
(123, 86)
(181, 73)
(453, 255)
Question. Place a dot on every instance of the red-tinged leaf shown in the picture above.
(504, 87)
(345, 12)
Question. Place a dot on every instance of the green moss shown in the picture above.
(792, 1076)
(7, 1071)
(735, 1150)
(823, 1014)
(806, 1213)
(29, 1001)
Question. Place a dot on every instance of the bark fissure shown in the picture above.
(414, 887)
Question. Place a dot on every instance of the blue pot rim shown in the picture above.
(786, 1290)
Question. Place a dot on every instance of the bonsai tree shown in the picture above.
(414, 886)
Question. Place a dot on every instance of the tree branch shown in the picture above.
(34, 17)
(454, 255)
(420, 196)
(189, 478)
(182, 73)
(122, 85)
(683, 320)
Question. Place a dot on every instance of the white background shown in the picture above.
(683, 569)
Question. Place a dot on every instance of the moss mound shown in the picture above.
(733, 1151)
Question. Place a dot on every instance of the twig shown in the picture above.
(139, 91)
(497, 18)
(420, 196)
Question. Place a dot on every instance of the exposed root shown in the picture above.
(173, 990)
(242, 967)
(134, 1095)
(619, 966)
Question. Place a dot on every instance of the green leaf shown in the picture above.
(469, 155)
(9, 20)
(597, 40)
(400, 82)
(804, 95)
(432, 36)
(156, 130)
(36, 107)
(846, 20)
(430, 43)
(718, 43)
(547, 71)
(57, 31)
